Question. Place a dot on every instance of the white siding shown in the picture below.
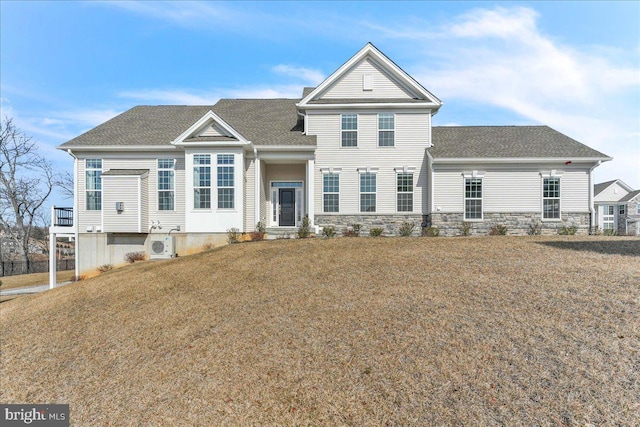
(350, 84)
(411, 142)
(86, 218)
(125, 189)
(574, 191)
(249, 194)
(212, 130)
(612, 193)
(144, 203)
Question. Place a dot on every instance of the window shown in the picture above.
(473, 198)
(331, 192)
(551, 198)
(608, 217)
(367, 192)
(349, 130)
(166, 184)
(226, 180)
(202, 181)
(386, 130)
(405, 192)
(622, 209)
(638, 209)
(93, 184)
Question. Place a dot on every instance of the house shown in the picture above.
(359, 148)
(617, 208)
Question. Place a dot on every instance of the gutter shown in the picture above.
(592, 209)
(75, 210)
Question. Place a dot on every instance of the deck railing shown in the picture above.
(62, 217)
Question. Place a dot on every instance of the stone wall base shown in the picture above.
(518, 224)
(390, 223)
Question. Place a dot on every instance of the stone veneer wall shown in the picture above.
(390, 223)
(450, 224)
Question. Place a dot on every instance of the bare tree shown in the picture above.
(26, 180)
(64, 181)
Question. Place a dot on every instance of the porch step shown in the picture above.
(274, 233)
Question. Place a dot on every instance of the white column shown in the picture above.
(52, 259)
(310, 193)
(256, 190)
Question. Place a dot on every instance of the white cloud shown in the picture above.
(307, 75)
(184, 13)
(171, 97)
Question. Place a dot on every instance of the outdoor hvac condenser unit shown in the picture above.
(162, 248)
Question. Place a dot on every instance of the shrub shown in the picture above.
(105, 267)
(259, 232)
(233, 235)
(132, 257)
(208, 246)
(376, 232)
(498, 230)
(304, 230)
(535, 228)
(352, 231)
(609, 232)
(78, 278)
(465, 229)
(568, 231)
(0, 282)
(329, 231)
(406, 229)
(356, 229)
(431, 232)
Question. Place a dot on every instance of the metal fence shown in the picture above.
(14, 268)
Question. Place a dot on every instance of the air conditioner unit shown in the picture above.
(162, 248)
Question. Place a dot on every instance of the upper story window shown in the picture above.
(226, 181)
(93, 184)
(473, 198)
(405, 192)
(349, 130)
(202, 181)
(638, 209)
(622, 209)
(367, 192)
(551, 198)
(166, 184)
(386, 130)
(331, 192)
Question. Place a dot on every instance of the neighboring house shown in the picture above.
(617, 208)
(357, 149)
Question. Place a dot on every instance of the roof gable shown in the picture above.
(210, 129)
(369, 77)
(614, 184)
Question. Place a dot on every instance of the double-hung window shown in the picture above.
(386, 129)
(473, 198)
(622, 209)
(608, 217)
(367, 192)
(166, 184)
(349, 130)
(226, 180)
(202, 181)
(93, 184)
(551, 198)
(405, 192)
(331, 192)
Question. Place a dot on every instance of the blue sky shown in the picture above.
(66, 67)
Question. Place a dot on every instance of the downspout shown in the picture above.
(592, 210)
(75, 209)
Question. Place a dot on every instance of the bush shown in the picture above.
(431, 232)
(376, 232)
(465, 229)
(259, 232)
(78, 278)
(105, 267)
(304, 230)
(329, 231)
(352, 231)
(498, 230)
(535, 228)
(208, 246)
(0, 282)
(406, 229)
(609, 232)
(233, 235)
(568, 231)
(132, 257)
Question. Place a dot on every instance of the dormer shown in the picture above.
(210, 130)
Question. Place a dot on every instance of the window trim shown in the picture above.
(173, 183)
(398, 193)
(195, 187)
(226, 187)
(559, 198)
(393, 131)
(342, 130)
(324, 192)
(472, 177)
(88, 169)
(622, 209)
(361, 173)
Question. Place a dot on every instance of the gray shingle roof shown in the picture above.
(599, 188)
(262, 121)
(125, 172)
(630, 196)
(506, 142)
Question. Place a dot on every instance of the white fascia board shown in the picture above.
(264, 148)
(125, 148)
(209, 144)
(385, 62)
(209, 116)
(516, 160)
(426, 108)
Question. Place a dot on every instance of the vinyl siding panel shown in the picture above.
(144, 203)
(126, 190)
(448, 189)
(574, 191)
(85, 218)
(613, 193)
(512, 191)
(409, 150)
(249, 193)
(350, 85)
(212, 130)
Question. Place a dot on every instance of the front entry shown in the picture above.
(287, 197)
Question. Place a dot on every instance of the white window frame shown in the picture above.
(97, 182)
(343, 130)
(392, 131)
(222, 166)
(361, 193)
(549, 198)
(473, 178)
(172, 183)
(609, 217)
(638, 210)
(300, 209)
(333, 193)
(399, 193)
(622, 209)
(197, 201)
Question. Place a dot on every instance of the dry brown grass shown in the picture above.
(23, 280)
(395, 331)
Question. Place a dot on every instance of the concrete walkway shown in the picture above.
(29, 289)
